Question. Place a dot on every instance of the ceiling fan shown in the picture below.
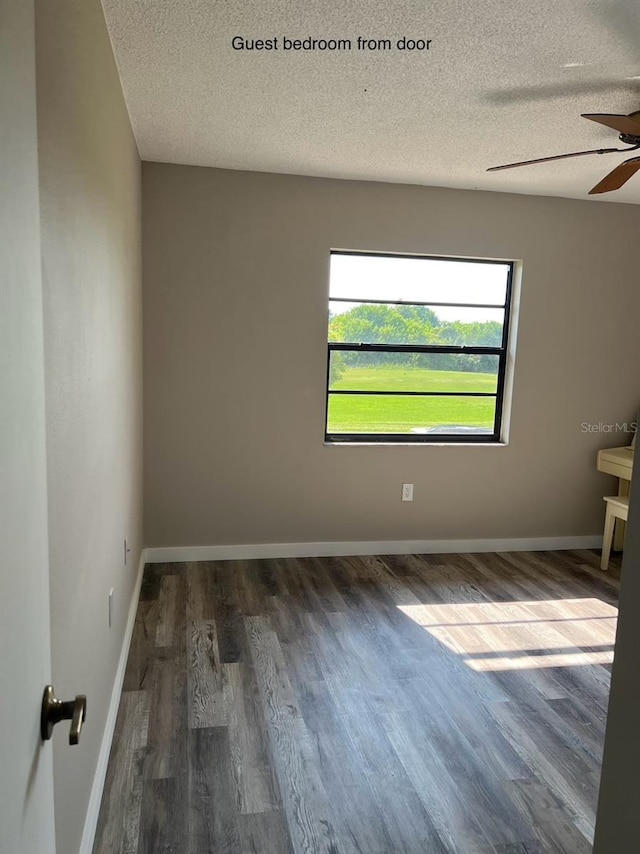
(628, 128)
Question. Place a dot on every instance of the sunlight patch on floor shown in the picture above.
(520, 635)
(527, 662)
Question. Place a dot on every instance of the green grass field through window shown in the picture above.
(398, 414)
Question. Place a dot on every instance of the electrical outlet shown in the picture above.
(407, 492)
(110, 607)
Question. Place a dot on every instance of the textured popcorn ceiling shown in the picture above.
(503, 81)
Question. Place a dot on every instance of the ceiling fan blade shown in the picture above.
(557, 157)
(623, 124)
(617, 177)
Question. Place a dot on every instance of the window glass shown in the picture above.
(416, 348)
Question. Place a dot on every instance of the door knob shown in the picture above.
(54, 711)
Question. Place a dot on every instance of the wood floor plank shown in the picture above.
(264, 833)
(141, 649)
(167, 742)
(265, 572)
(585, 722)
(431, 698)
(305, 801)
(170, 613)
(458, 827)
(323, 585)
(344, 678)
(212, 818)
(227, 613)
(571, 777)
(558, 831)
(199, 580)
(163, 817)
(250, 592)
(530, 847)
(285, 619)
(119, 819)
(255, 784)
(299, 653)
(150, 588)
(409, 823)
(471, 755)
(293, 578)
(379, 685)
(206, 690)
(356, 812)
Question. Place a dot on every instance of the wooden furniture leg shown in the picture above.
(618, 538)
(617, 508)
(609, 524)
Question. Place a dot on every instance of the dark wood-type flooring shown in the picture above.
(364, 705)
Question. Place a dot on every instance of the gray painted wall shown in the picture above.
(235, 302)
(90, 214)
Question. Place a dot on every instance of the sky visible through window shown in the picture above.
(373, 277)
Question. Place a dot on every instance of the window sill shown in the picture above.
(415, 444)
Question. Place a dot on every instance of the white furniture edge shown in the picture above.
(178, 554)
(95, 799)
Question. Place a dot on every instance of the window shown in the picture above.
(417, 348)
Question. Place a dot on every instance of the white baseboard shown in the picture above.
(178, 554)
(95, 799)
